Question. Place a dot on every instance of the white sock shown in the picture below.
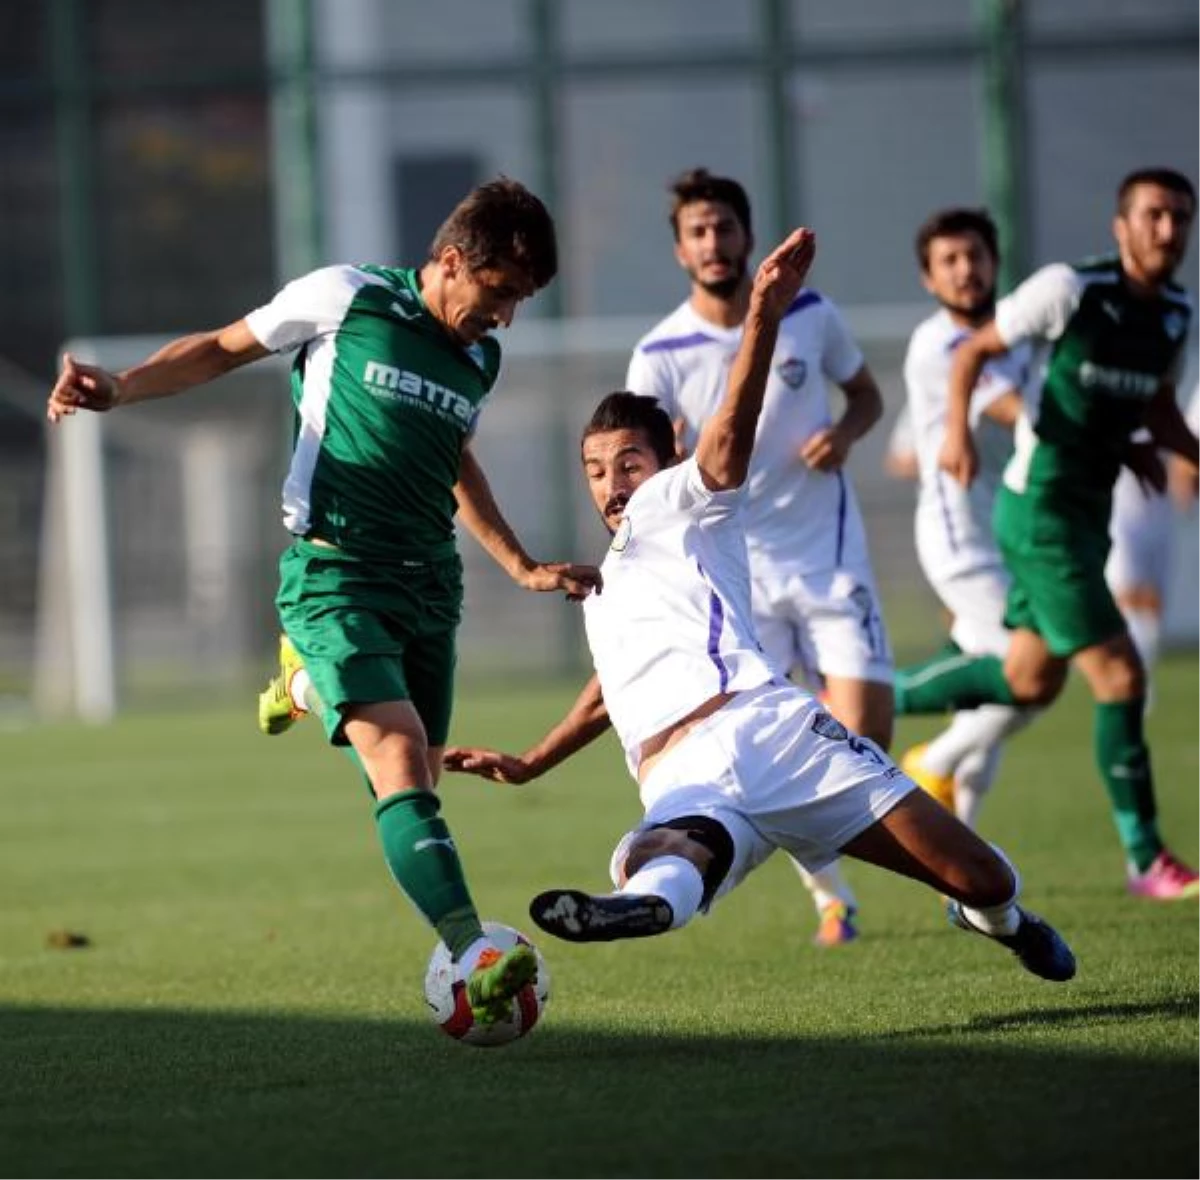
(972, 780)
(301, 682)
(1145, 629)
(826, 885)
(1000, 919)
(971, 729)
(676, 880)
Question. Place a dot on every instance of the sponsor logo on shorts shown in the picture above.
(830, 727)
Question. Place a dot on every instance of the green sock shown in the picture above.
(951, 680)
(421, 854)
(1124, 761)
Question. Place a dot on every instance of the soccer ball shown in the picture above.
(446, 994)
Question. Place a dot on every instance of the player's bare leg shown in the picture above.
(920, 839)
(865, 707)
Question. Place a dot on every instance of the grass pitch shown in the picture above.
(250, 1001)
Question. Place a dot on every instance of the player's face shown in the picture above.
(961, 274)
(616, 463)
(474, 302)
(1153, 232)
(713, 246)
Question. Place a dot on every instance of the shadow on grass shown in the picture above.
(186, 1093)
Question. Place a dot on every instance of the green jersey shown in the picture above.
(1105, 352)
(385, 400)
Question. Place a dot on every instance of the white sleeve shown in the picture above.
(683, 488)
(1041, 306)
(648, 374)
(307, 307)
(841, 357)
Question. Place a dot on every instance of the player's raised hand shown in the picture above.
(958, 457)
(81, 387)
(782, 273)
(493, 765)
(575, 581)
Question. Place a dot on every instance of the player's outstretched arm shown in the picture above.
(586, 721)
(482, 518)
(188, 361)
(727, 440)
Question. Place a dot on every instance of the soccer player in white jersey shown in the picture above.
(733, 760)
(958, 253)
(815, 603)
(1139, 563)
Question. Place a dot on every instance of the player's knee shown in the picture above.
(656, 842)
(1037, 684)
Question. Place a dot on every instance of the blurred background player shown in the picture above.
(816, 607)
(732, 760)
(958, 253)
(1139, 563)
(1111, 335)
(394, 365)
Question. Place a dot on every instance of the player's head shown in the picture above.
(627, 440)
(1155, 210)
(958, 251)
(497, 247)
(710, 217)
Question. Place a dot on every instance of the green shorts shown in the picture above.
(1057, 564)
(373, 631)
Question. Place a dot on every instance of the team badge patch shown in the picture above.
(830, 727)
(792, 372)
(1174, 323)
(621, 536)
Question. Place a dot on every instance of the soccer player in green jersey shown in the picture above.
(392, 369)
(1111, 333)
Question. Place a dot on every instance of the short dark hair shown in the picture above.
(1166, 178)
(634, 411)
(498, 222)
(699, 184)
(954, 222)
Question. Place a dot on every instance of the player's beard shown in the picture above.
(978, 312)
(724, 288)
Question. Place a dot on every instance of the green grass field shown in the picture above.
(251, 1001)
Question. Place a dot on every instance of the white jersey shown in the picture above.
(953, 523)
(808, 519)
(673, 626)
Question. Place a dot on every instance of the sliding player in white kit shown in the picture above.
(733, 761)
(815, 604)
(958, 252)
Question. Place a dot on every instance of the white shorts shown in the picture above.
(976, 599)
(1141, 529)
(824, 624)
(777, 771)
